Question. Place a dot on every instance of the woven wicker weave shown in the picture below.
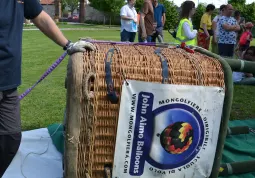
(92, 119)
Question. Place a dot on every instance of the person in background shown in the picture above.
(185, 32)
(128, 16)
(228, 27)
(146, 24)
(241, 78)
(159, 17)
(241, 21)
(245, 39)
(215, 28)
(205, 30)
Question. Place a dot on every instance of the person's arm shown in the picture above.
(205, 30)
(214, 25)
(142, 25)
(228, 27)
(45, 23)
(164, 19)
(123, 14)
(123, 17)
(164, 16)
(204, 21)
(144, 11)
(231, 27)
(188, 33)
(214, 28)
(249, 37)
(33, 11)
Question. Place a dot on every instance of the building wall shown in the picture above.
(92, 14)
(50, 9)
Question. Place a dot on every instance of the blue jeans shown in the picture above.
(127, 36)
(246, 81)
(149, 39)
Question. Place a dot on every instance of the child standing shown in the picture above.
(245, 38)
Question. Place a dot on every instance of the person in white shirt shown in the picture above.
(215, 28)
(128, 16)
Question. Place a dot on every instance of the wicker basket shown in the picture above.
(92, 118)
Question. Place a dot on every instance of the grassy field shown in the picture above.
(61, 25)
(45, 105)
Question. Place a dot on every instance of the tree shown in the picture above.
(247, 10)
(138, 5)
(172, 15)
(82, 11)
(198, 15)
(249, 13)
(71, 4)
(109, 7)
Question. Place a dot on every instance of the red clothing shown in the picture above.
(202, 41)
(245, 38)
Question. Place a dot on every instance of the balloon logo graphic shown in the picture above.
(177, 137)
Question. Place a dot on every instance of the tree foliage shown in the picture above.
(71, 4)
(247, 10)
(111, 7)
(172, 15)
(198, 15)
(138, 5)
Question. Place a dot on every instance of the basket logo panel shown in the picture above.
(167, 136)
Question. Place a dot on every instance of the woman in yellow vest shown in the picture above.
(185, 32)
(205, 31)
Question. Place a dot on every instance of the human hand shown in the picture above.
(144, 35)
(249, 75)
(215, 40)
(80, 46)
(135, 20)
(208, 37)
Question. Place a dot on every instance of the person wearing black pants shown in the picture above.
(12, 13)
(228, 27)
(226, 50)
(10, 135)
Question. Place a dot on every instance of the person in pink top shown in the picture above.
(245, 39)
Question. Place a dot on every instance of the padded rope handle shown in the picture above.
(111, 93)
(89, 94)
(185, 47)
(165, 72)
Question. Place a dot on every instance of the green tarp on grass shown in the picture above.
(237, 147)
(240, 147)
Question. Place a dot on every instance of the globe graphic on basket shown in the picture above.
(177, 137)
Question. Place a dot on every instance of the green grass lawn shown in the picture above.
(60, 25)
(45, 104)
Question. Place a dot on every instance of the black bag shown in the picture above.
(174, 33)
(209, 31)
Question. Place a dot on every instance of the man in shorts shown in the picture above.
(12, 13)
(146, 24)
